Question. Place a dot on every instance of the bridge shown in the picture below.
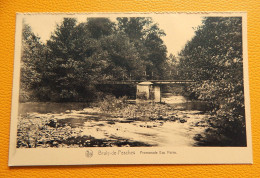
(156, 82)
(148, 90)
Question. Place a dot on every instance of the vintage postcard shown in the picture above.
(130, 88)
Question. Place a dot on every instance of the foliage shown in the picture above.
(80, 55)
(112, 104)
(119, 107)
(147, 111)
(68, 70)
(32, 64)
(213, 58)
(41, 132)
(146, 37)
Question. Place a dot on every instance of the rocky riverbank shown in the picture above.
(143, 124)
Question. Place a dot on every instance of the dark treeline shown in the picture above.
(80, 55)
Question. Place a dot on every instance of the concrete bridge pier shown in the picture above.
(148, 91)
(143, 90)
(157, 93)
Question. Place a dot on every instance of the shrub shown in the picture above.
(111, 104)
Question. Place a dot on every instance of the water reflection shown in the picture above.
(182, 103)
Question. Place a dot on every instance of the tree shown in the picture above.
(146, 37)
(99, 27)
(67, 75)
(78, 56)
(122, 58)
(32, 64)
(81, 56)
(157, 54)
(171, 65)
(134, 27)
(213, 58)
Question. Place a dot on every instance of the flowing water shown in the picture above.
(91, 127)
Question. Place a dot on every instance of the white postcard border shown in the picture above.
(129, 155)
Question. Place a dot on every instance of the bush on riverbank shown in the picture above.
(223, 132)
(112, 104)
(119, 107)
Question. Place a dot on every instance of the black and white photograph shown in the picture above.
(135, 84)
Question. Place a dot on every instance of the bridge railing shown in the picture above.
(153, 81)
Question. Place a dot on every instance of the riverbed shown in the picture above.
(85, 126)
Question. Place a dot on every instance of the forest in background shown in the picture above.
(79, 56)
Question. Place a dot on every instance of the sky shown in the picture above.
(179, 28)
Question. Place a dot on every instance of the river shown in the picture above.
(88, 126)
